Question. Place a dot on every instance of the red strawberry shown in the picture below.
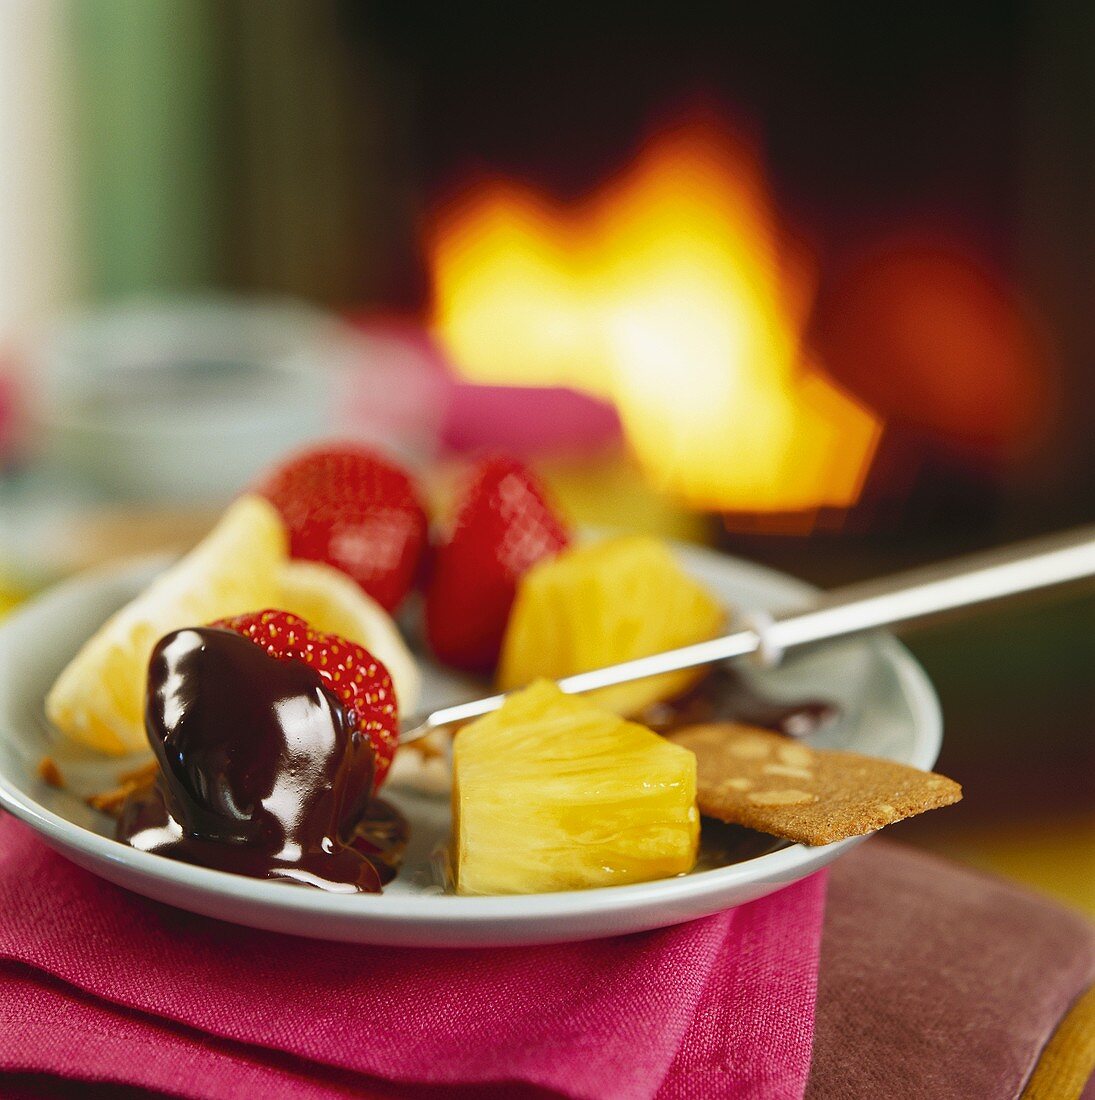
(503, 526)
(350, 508)
(359, 681)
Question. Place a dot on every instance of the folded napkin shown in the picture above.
(98, 985)
(942, 983)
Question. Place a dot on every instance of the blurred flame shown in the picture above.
(667, 294)
(929, 331)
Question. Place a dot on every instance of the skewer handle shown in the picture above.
(1025, 567)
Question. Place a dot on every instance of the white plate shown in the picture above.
(888, 710)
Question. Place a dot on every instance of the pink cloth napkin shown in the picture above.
(99, 985)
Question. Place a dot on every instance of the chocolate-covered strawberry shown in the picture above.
(271, 740)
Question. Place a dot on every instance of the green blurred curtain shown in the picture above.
(146, 122)
(248, 144)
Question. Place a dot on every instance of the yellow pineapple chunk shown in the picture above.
(551, 792)
(602, 604)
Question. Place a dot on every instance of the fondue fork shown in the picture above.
(964, 582)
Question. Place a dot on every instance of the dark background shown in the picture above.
(965, 131)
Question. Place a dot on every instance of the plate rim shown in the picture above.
(446, 911)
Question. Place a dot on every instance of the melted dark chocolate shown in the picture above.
(724, 696)
(260, 773)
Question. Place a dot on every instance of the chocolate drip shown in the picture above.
(260, 772)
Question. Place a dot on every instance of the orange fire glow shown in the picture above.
(669, 293)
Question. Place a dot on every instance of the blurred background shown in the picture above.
(812, 286)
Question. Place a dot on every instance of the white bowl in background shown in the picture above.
(184, 400)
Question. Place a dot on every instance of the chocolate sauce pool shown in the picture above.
(724, 696)
(259, 772)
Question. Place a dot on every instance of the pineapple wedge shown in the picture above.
(551, 792)
(601, 604)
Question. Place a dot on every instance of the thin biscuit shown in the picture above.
(744, 777)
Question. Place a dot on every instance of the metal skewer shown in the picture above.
(964, 582)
